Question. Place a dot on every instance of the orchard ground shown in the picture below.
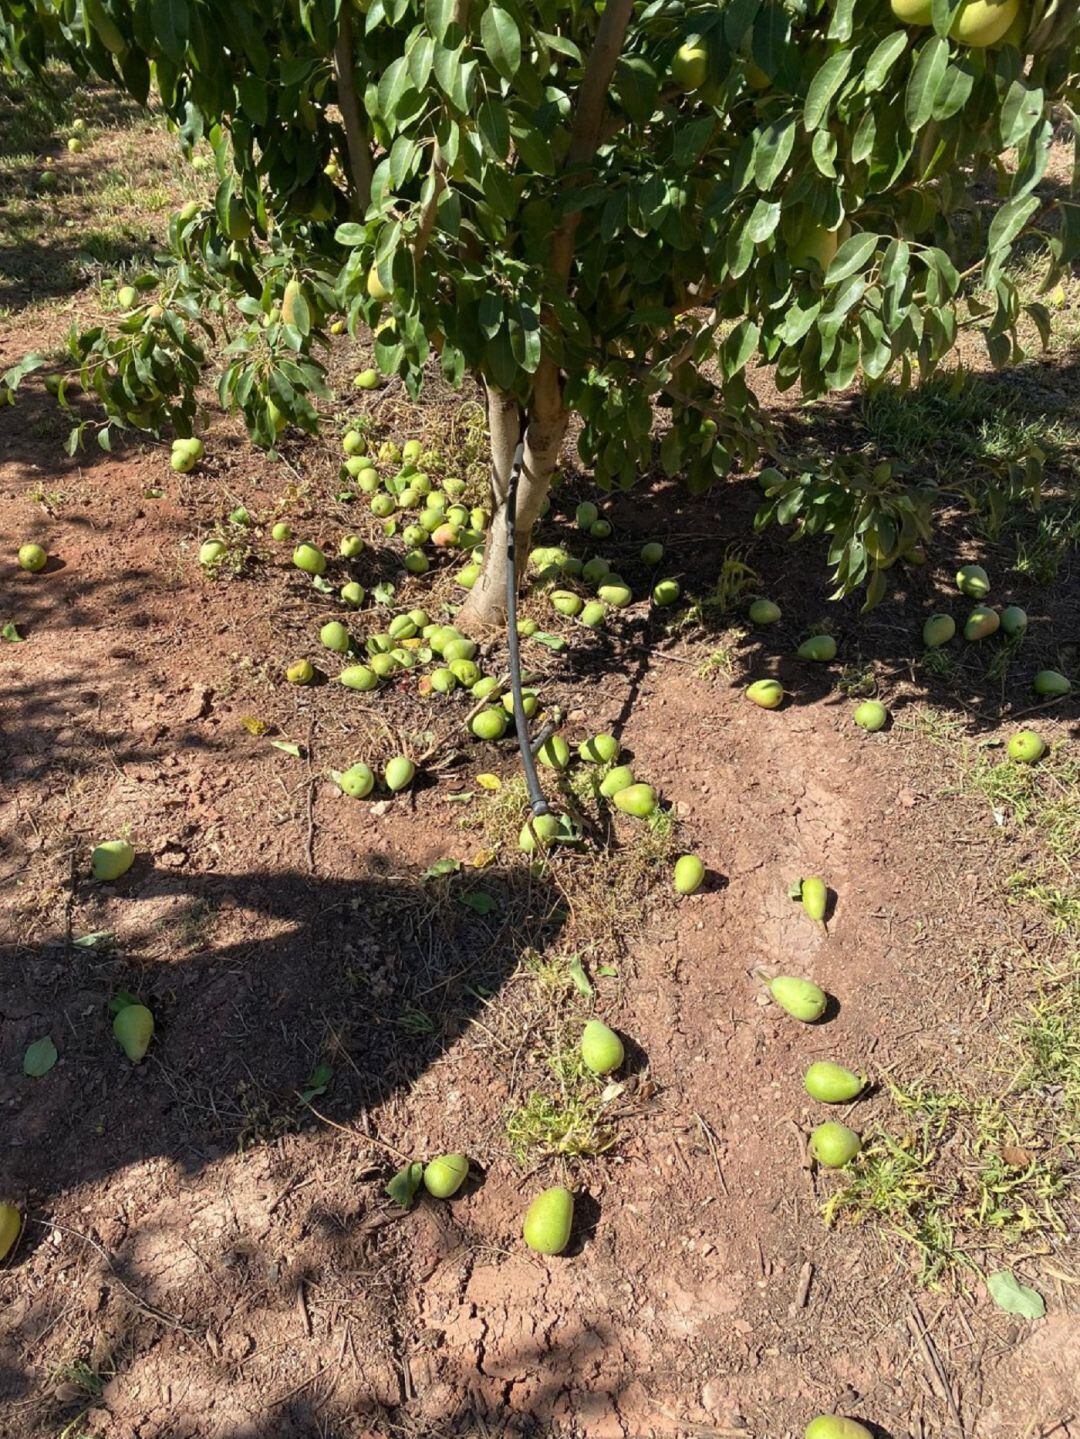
(209, 1249)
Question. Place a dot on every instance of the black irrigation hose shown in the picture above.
(536, 794)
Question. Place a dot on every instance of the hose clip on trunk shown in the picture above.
(536, 795)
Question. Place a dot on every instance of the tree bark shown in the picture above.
(356, 136)
(545, 427)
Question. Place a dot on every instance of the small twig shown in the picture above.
(273, 1403)
(290, 1188)
(917, 1325)
(151, 1310)
(806, 1274)
(302, 1306)
(358, 1134)
(710, 1141)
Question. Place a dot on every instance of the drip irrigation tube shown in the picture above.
(536, 795)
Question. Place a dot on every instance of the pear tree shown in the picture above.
(605, 212)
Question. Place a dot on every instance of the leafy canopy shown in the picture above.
(788, 182)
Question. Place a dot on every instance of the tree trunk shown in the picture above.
(545, 426)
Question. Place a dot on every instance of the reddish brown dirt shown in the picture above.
(227, 1263)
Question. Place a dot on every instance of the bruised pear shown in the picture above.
(800, 997)
(548, 1221)
(134, 1029)
(1026, 747)
(300, 673)
(33, 558)
(601, 1048)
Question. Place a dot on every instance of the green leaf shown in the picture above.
(1015, 1298)
(442, 867)
(287, 748)
(925, 81)
(580, 979)
(1009, 221)
(402, 1188)
(317, 1083)
(824, 86)
(93, 939)
(501, 39)
(551, 642)
(39, 1057)
(479, 901)
(772, 150)
(851, 256)
(883, 58)
(9, 632)
(1020, 112)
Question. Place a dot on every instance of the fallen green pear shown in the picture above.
(834, 1426)
(484, 688)
(593, 614)
(652, 552)
(353, 594)
(832, 1083)
(445, 1175)
(619, 778)
(530, 702)
(769, 694)
(834, 1145)
(801, 998)
(335, 637)
(416, 562)
(764, 612)
(351, 546)
(554, 752)
(133, 1027)
(1014, 620)
(378, 644)
(815, 897)
(1026, 746)
(489, 724)
(211, 552)
(402, 627)
(601, 1048)
(636, 799)
(586, 515)
(357, 781)
(601, 749)
(367, 380)
(411, 451)
(10, 1229)
(281, 532)
(405, 658)
(819, 648)
(399, 773)
(871, 716)
(689, 874)
(443, 681)
(594, 570)
(938, 630)
(665, 592)
(384, 664)
(309, 558)
(548, 1221)
(1051, 684)
(467, 576)
(466, 672)
(111, 859)
(459, 648)
(420, 619)
(300, 673)
(383, 506)
(973, 581)
(367, 480)
(541, 829)
(127, 297)
(33, 558)
(566, 602)
(358, 677)
(615, 591)
(600, 529)
(981, 623)
(528, 627)
(354, 443)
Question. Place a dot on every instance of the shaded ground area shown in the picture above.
(209, 1251)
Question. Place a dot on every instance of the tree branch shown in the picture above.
(428, 214)
(588, 123)
(356, 136)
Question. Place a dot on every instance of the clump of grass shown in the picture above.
(936, 726)
(1048, 1037)
(734, 581)
(568, 1127)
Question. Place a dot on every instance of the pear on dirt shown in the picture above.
(548, 1221)
(814, 894)
(871, 716)
(399, 773)
(310, 559)
(1026, 747)
(819, 648)
(1051, 684)
(601, 749)
(358, 677)
(602, 1050)
(554, 752)
(764, 612)
(834, 1426)
(357, 781)
(973, 581)
(300, 673)
(444, 1175)
(111, 859)
(689, 874)
(1014, 620)
(32, 558)
(769, 694)
(638, 800)
(133, 1027)
(834, 1145)
(981, 623)
(619, 778)
(938, 630)
(801, 998)
(10, 1228)
(832, 1083)
(541, 830)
